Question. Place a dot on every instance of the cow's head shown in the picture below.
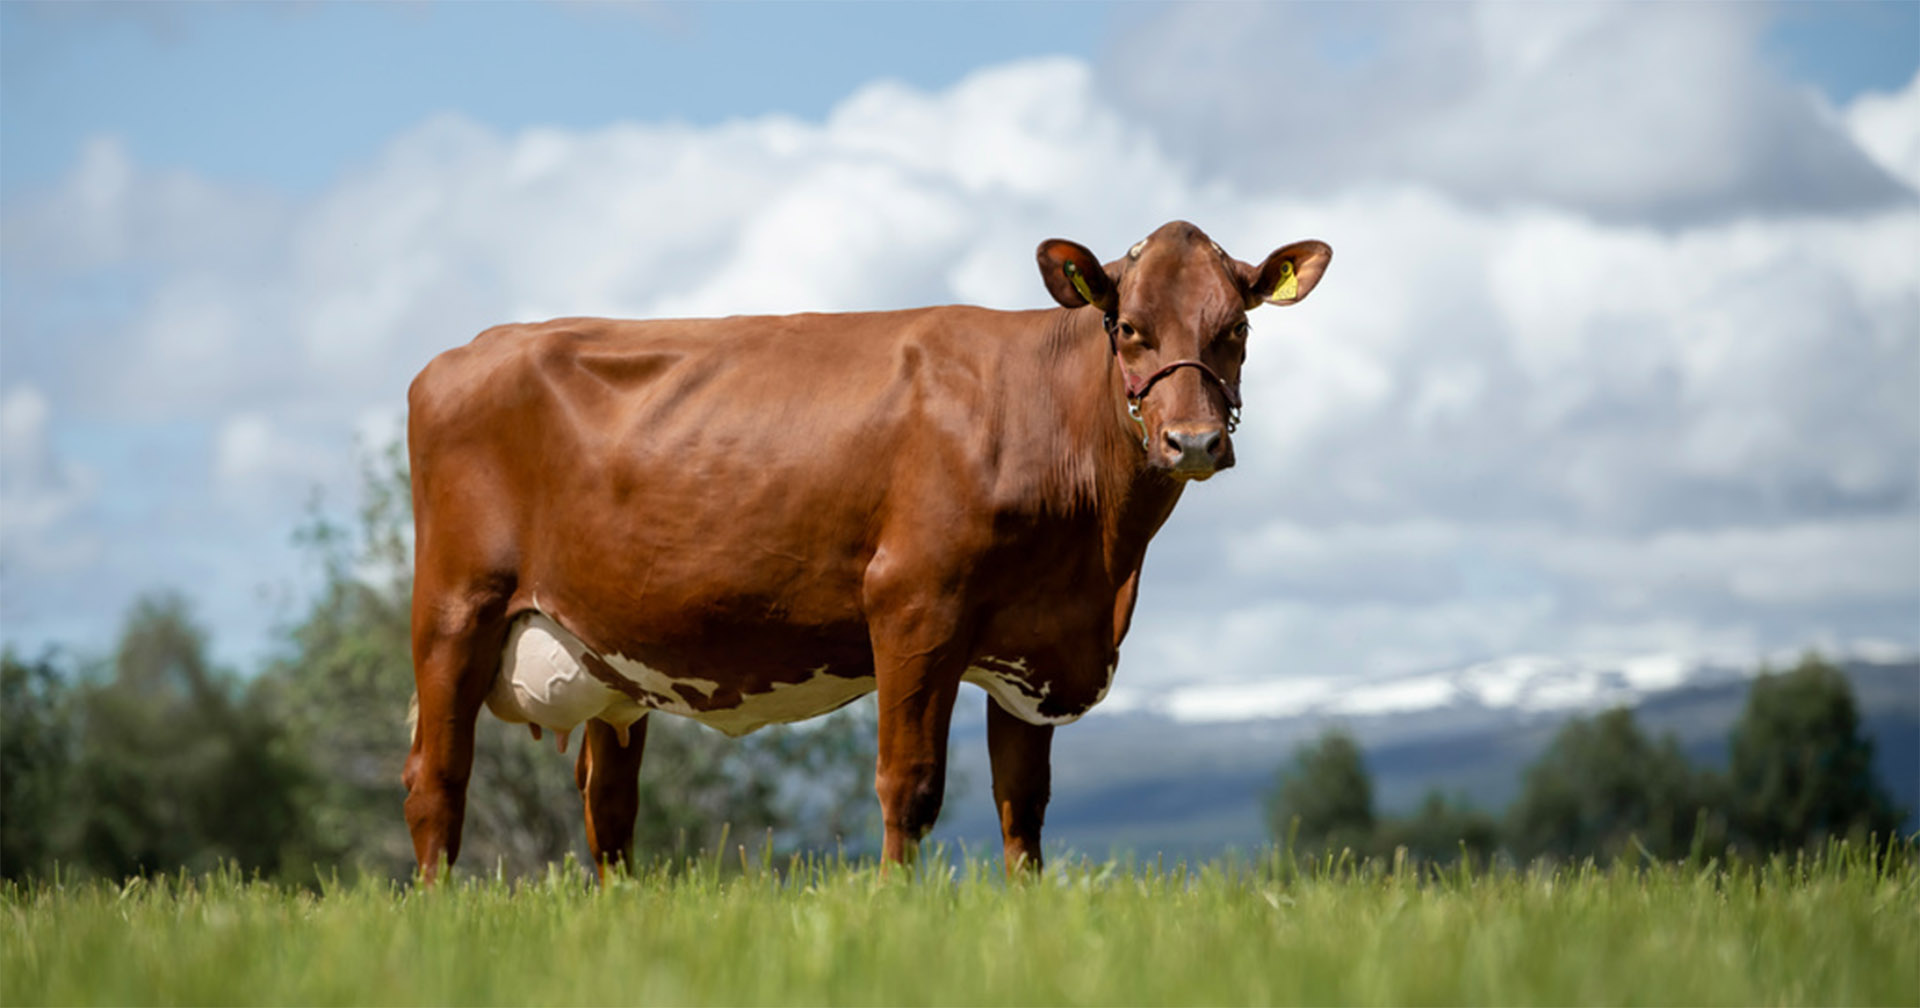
(1175, 310)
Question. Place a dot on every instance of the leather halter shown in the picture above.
(1138, 387)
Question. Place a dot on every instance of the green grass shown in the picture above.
(1839, 929)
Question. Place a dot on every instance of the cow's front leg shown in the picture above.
(608, 774)
(1022, 776)
(918, 677)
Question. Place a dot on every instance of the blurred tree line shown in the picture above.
(1800, 772)
(153, 759)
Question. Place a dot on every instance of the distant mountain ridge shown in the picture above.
(1529, 683)
(1187, 774)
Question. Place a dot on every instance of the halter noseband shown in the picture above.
(1138, 387)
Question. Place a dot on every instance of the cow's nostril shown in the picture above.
(1195, 450)
(1186, 442)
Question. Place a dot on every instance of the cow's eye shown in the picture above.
(1240, 330)
(1127, 331)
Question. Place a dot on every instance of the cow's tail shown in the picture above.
(413, 718)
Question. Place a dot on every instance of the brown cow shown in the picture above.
(756, 520)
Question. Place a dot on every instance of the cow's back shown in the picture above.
(597, 443)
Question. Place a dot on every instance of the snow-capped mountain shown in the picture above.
(1521, 684)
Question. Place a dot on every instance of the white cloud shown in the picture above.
(1648, 112)
(109, 212)
(1832, 562)
(1887, 127)
(256, 460)
(1502, 425)
(96, 201)
(40, 492)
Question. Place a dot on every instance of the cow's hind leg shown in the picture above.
(456, 655)
(608, 774)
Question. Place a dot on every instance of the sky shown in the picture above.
(1618, 355)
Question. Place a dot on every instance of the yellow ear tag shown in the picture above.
(1079, 283)
(1289, 287)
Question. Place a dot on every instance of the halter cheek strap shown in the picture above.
(1138, 387)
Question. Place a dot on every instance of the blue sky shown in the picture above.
(1616, 356)
(288, 95)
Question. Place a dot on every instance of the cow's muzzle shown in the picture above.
(1194, 451)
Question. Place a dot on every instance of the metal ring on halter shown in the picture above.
(1133, 410)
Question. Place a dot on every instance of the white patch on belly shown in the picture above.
(1009, 686)
(544, 680)
(785, 703)
(655, 681)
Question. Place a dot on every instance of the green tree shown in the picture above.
(1801, 771)
(1327, 789)
(36, 763)
(1600, 786)
(177, 765)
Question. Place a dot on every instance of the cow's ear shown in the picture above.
(1073, 276)
(1288, 274)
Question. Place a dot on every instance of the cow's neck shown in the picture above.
(1131, 500)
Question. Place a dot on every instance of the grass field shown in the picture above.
(1838, 929)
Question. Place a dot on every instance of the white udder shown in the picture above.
(544, 680)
